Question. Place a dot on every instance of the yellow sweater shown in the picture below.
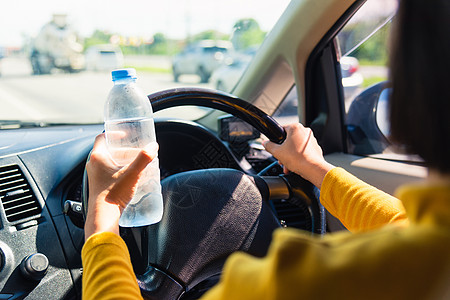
(392, 262)
(358, 205)
(107, 269)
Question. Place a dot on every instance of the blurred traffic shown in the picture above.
(220, 63)
(56, 46)
(34, 73)
(201, 58)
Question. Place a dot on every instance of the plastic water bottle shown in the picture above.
(129, 127)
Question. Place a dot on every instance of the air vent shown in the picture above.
(292, 215)
(19, 201)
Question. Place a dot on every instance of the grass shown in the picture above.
(150, 69)
(369, 62)
(372, 80)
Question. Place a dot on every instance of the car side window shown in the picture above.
(287, 111)
(363, 56)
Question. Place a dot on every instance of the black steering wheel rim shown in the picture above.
(158, 271)
(220, 101)
(299, 188)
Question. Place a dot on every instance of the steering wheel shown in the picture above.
(210, 213)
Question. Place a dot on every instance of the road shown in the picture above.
(373, 71)
(78, 97)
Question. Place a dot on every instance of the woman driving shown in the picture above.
(399, 247)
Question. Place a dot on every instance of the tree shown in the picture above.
(371, 51)
(374, 50)
(209, 35)
(97, 38)
(158, 44)
(159, 38)
(247, 33)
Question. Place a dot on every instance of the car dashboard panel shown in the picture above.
(32, 169)
(41, 168)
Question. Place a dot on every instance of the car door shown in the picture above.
(302, 56)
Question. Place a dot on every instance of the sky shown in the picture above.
(175, 18)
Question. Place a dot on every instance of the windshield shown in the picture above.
(56, 56)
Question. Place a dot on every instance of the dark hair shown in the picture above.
(419, 72)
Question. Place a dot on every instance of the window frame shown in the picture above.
(324, 96)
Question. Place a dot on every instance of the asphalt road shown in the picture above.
(80, 97)
(65, 97)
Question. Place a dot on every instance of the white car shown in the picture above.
(228, 75)
(201, 58)
(352, 79)
(103, 58)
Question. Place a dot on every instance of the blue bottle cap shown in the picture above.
(123, 73)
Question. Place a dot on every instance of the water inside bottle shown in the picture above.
(125, 138)
(146, 207)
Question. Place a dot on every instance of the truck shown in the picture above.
(57, 46)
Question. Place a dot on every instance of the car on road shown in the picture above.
(226, 76)
(352, 79)
(56, 46)
(223, 192)
(104, 57)
(200, 58)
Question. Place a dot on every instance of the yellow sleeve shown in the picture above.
(107, 269)
(358, 205)
(369, 265)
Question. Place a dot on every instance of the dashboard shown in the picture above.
(42, 168)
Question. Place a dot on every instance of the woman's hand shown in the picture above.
(111, 187)
(301, 154)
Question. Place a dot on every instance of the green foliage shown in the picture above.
(246, 24)
(209, 35)
(374, 51)
(372, 80)
(130, 50)
(247, 33)
(159, 45)
(97, 38)
(159, 38)
(150, 69)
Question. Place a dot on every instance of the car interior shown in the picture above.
(222, 191)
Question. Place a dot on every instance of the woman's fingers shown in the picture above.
(300, 153)
(128, 177)
(270, 147)
(132, 172)
(289, 151)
